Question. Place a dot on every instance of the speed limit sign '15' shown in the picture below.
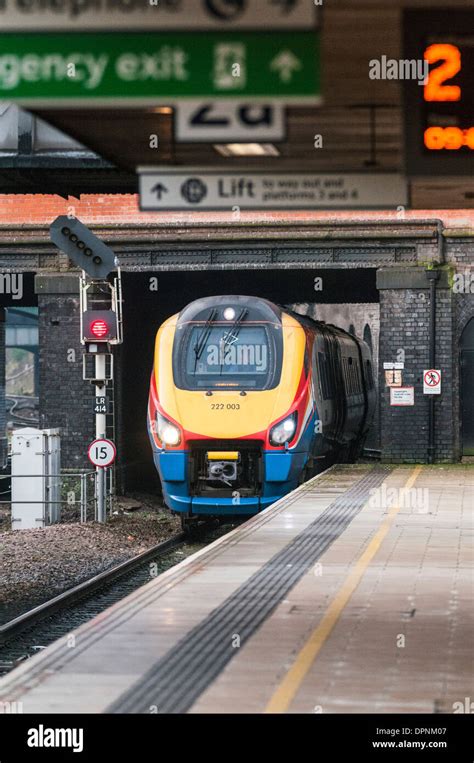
(102, 452)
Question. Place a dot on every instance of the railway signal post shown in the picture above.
(101, 326)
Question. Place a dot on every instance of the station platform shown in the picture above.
(353, 594)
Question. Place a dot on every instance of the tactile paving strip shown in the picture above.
(175, 682)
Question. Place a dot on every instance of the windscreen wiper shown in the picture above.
(233, 334)
(203, 337)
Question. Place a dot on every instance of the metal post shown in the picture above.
(100, 426)
(82, 499)
(86, 496)
(432, 276)
(110, 471)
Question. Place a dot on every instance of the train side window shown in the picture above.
(324, 376)
(351, 369)
(329, 379)
(356, 377)
(352, 377)
(306, 362)
(346, 374)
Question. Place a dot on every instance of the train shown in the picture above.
(247, 399)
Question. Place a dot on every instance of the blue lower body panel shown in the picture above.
(281, 469)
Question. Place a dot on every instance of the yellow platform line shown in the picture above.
(289, 686)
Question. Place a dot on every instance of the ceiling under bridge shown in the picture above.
(174, 290)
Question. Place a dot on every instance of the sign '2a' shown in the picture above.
(204, 121)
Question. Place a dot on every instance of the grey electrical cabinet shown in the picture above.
(35, 478)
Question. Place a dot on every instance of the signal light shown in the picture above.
(99, 326)
(84, 248)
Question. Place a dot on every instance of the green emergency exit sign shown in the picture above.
(108, 68)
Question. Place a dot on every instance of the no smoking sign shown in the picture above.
(432, 381)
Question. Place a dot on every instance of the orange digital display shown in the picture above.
(439, 109)
(436, 90)
(450, 56)
(450, 138)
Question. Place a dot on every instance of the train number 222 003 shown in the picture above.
(224, 406)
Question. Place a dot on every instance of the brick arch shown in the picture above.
(367, 336)
(465, 313)
(469, 321)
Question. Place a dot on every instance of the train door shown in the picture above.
(467, 389)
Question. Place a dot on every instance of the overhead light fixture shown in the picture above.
(162, 110)
(246, 149)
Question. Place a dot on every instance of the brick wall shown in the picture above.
(460, 252)
(19, 209)
(65, 400)
(404, 325)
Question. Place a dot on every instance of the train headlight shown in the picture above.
(167, 432)
(229, 313)
(283, 431)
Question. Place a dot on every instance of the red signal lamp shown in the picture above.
(99, 326)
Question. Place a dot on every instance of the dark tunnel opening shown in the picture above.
(151, 298)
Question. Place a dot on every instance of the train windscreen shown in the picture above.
(224, 357)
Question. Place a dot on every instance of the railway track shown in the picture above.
(27, 634)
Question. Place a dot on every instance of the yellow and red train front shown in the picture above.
(231, 449)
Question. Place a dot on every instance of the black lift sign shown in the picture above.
(170, 189)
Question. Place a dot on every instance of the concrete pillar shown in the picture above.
(404, 331)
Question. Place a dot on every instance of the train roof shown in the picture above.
(257, 309)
